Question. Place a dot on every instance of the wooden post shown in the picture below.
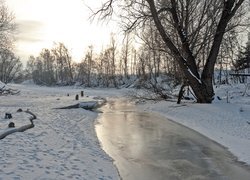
(82, 93)
(227, 97)
(77, 97)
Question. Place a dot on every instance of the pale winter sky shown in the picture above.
(42, 22)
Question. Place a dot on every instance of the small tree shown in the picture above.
(10, 66)
(88, 62)
(243, 61)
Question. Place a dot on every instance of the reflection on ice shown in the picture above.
(146, 146)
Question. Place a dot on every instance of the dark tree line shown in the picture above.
(56, 67)
(52, 66)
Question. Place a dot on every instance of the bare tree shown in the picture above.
(30, 67)
(48, 66)
(10, 66)
(63, 63)
(7, 27)
(113, 60)
(186, 27)
(133, 61)
(81, 72)
(88, 62)
(125, 56)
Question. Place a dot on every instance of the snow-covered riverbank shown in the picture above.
(225, 123)
(63, 143)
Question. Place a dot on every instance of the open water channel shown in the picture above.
(146, 146)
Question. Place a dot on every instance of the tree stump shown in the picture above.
(181, 92)
(8, 116)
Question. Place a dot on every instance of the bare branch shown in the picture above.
(105, 11)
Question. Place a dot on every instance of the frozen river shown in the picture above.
(147, 146)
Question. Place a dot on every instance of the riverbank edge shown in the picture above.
(96, 122)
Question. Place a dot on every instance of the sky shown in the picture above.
(43, 22)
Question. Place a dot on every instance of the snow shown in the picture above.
(63, 143)
(189, 70)
(194, 75)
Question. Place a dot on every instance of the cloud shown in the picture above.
(29, 31)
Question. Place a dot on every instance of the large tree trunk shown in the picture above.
(203, 91)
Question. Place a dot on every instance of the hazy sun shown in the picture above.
(43, 22)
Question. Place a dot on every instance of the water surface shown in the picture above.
(146, 146)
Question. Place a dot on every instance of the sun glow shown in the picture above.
(43, 22)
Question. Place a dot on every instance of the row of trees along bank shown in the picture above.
(182, 40)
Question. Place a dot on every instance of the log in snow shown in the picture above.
(88, 105)
(85, 105)
(5, 90)
(20, 129)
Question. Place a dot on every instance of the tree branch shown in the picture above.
(228, 12)
(106, 10)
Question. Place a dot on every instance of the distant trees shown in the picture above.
(85, 70)
(106, 66)
(56, 67)
(99, 69)
(51, 67)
